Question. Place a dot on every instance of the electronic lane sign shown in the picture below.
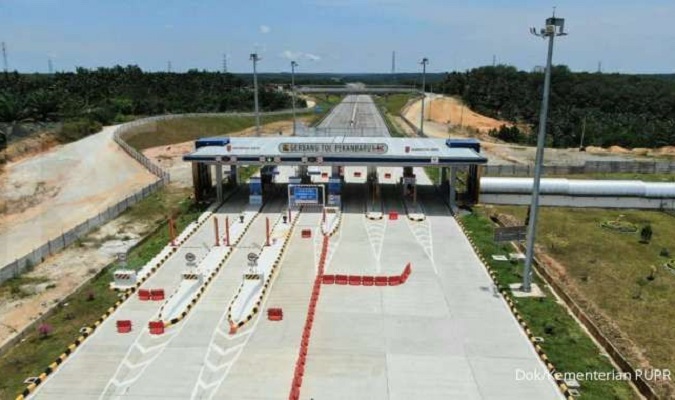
(306, 194)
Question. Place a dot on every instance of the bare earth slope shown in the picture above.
(45, 195)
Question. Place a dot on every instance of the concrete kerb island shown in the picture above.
(512, 306)
(192, 293)
(237, 312)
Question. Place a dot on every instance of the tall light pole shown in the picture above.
(293, 65)
(254, 57)
(554, 27)
(424, 63)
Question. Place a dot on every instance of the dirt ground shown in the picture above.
(170, 158)
(43, 196)
(64, 272)
(445, 115)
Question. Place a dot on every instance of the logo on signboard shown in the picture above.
(229, 147)
(407, 149)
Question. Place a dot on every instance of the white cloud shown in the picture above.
(312, 57)
(299, 55)
(264, 29)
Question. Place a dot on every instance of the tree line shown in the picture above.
(612, 109)
(86, 99)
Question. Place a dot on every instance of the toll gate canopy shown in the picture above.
(341, 150)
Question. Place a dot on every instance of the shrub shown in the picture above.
(45, 330)
(664, 253)
(646, 233)
(77, 129)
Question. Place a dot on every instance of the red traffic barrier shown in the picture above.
(368, 281)
(275, 314)
(306, 233)
(157, 294)
(324, 174)
(393, 215)
(394, 280)
(143, 294)
(341, 279)
(355, 280)
(156, 327)
(123, 326)
(357, 174)
(387, 175)
(380, 281)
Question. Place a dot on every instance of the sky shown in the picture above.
(335, 35)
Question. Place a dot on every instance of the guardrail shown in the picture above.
(589, 167)
(53, 246)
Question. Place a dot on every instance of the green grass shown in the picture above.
(611, 269)
(191, 128)
(32, 356)
(433, 173)
(391, 106)
(566, 344)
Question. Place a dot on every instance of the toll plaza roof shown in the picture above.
(339, 150)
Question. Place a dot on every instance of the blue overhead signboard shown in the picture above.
(306, 194)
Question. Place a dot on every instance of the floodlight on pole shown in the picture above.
(293, 65)
(254, 57)
(424, 63)
(554, 27)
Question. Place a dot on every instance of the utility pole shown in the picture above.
(254, 57)
(393, 62)
(5, 64)
(554, 27)
(293, 65)
(583, 133)
(168, 66)
(225, 63)
(424, 63)
(494, 60)
(50, 66)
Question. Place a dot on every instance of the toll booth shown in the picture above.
(335, 191)
(255, 190)
(409, 184)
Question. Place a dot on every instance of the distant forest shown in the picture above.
(616, 109)
(85, 100)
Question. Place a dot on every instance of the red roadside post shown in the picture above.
(215, 227)
(227, 231)
(267, 224)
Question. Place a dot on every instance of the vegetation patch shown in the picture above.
(610, 274)
(620, 225)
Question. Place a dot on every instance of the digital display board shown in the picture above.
(306, 194)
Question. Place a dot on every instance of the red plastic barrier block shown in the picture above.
(123, 326)
(156, 327)
(394, 280)
(306, 233)
(355, 280)
(275, 314)
(380, 281)
(387, 175)
(368, 281)
(157, 294)
(324, 174)
(341, 279)
(144, 294)
(393, 215)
